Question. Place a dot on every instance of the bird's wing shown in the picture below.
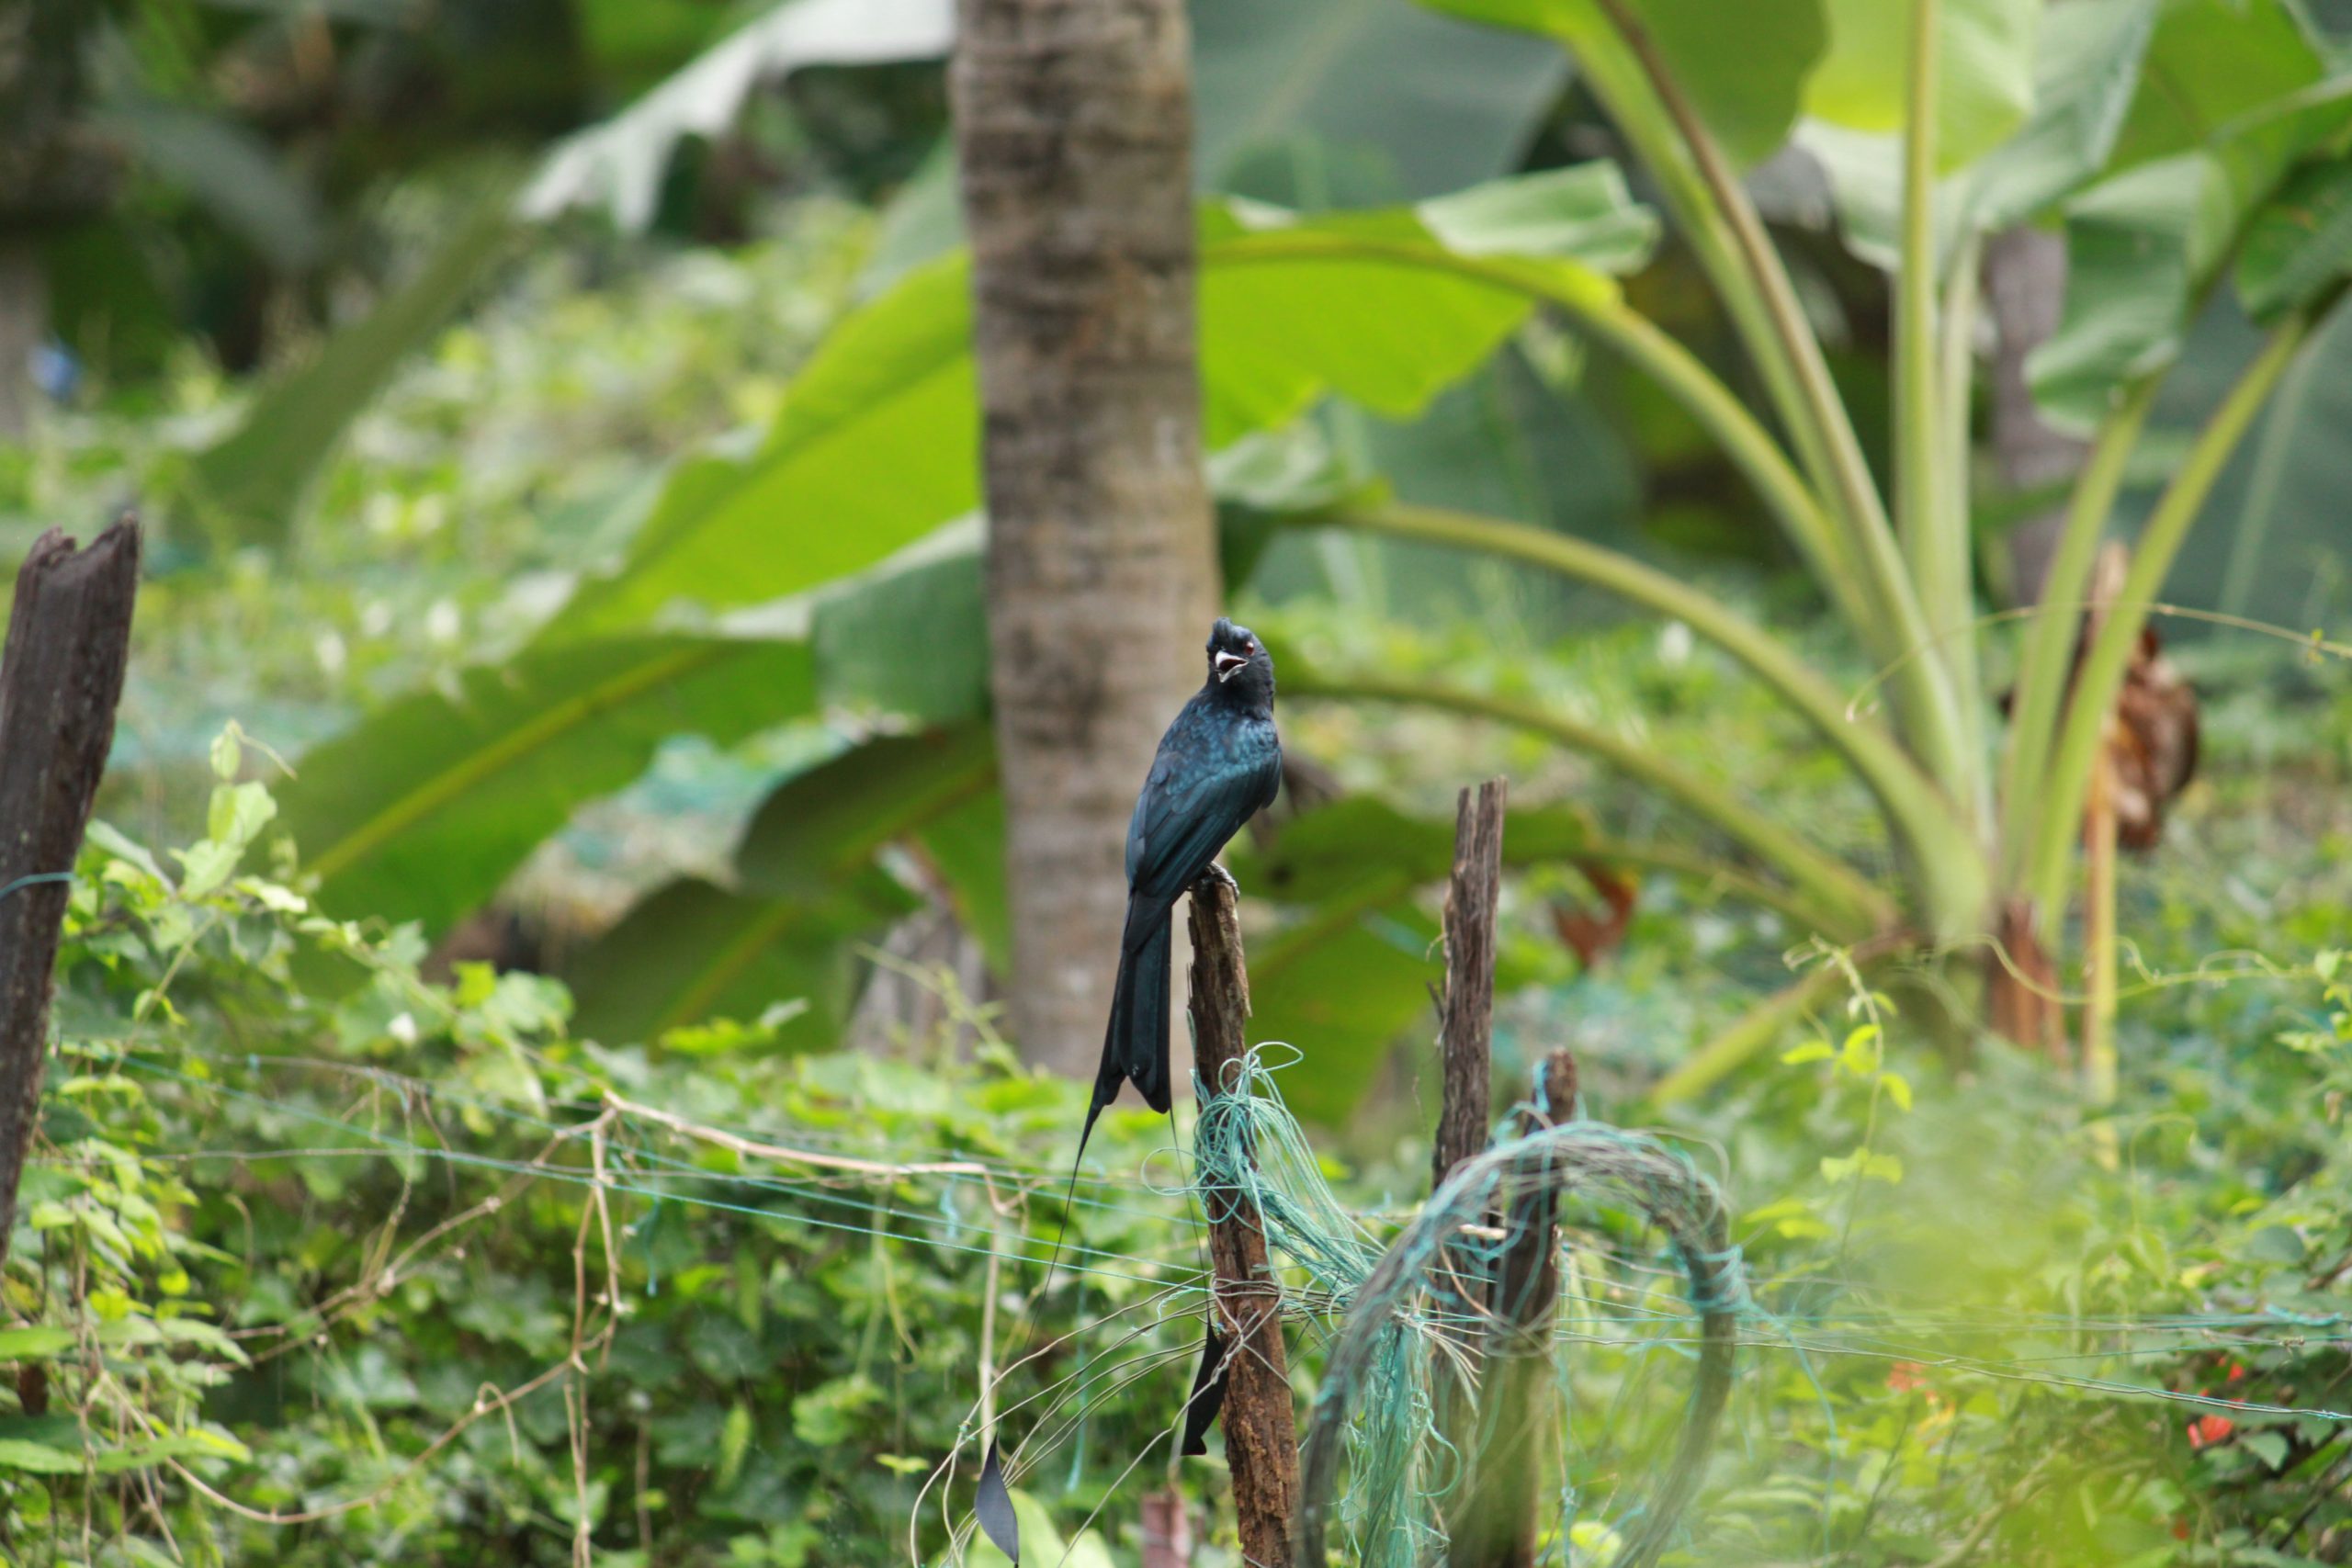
(1185, 816)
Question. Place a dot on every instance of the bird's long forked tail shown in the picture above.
(1135, 1043)
(1135, 1050)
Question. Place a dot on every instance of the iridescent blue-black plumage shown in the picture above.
(1219, 763)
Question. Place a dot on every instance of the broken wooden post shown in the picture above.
(1245, 1298)
(1465, 1103)
(1498, 1517)
(61, 676)
(1466, 1033)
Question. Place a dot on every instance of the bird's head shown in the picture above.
(1235, 653)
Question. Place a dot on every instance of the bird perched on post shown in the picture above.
(1219, 763)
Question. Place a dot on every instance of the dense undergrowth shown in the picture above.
(309, 1230)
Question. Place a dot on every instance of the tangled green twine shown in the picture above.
(1375, 1405)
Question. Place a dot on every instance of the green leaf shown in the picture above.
(734, 1442)
(2086, 75)
(1328, 853)
(890, 392)
(256, 478)
(2129, 278)
(828, 1414)
(1427, 103)
(2231, 95)
(34, 1343)
(1985, 53)
(1357, 304)
(819, 828)
(1583, 212)
(1293, 309)
(2269, 1447)
(693, 950)
(2299, 244)
(229, 169)
(1340, 987)
(909, 639)
(1745, 75)
(966, 844)
(237, 813)
(421, 810)
(1353, 971)
(1311, 104)
(39, 1458)
(2273, 564)
(621, 163)
(809, 888)
(2211, 64)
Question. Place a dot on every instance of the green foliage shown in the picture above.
(303, 1213)
(424, 814)
(300, 1213)
(308, 1229)
(1987, 49)
(256, 479)
(1746, 82)
(892, 389)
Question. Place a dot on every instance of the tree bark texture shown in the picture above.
(1260, 1426)
(61, 676)
(1073, 124)
(1465, 1104)
(1467, 1032)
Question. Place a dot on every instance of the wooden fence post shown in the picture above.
(1503, 1501)
(61, 676)
(1260, 1426)
(1467, 1032)
(1465, 1104)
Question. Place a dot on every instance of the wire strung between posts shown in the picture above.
(1333, 1251)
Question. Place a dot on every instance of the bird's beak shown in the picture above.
(1227, 665)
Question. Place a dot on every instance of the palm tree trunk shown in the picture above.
(1073, 123)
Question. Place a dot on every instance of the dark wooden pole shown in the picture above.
(1467, 1031)
(61, 676)
(1465, 1103)
(1261, 1427)
(1498, 1521)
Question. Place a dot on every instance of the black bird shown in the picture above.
(1219, 764)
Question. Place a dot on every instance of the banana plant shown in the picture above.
(2187, 147)
(2176, 140)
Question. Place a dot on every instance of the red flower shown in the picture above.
(1905, 1376)
(2207, 1431)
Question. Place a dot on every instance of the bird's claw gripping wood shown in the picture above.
(1216, 877)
